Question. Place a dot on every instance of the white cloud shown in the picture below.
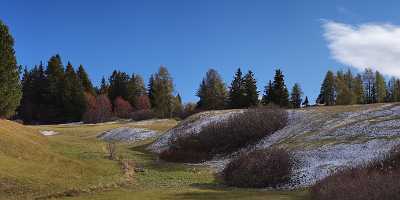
(375, 46)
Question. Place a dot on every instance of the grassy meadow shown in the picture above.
(74, 165)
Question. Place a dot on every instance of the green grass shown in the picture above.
(76, 159)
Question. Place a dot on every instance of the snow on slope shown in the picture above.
(192, 125)
(127, 134)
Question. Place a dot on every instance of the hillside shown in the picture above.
(322, 139)
(30, 166)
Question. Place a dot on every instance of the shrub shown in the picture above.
(378, 180)
(99, 110)
(226, 136)
(142, 115)
(143, 103)
(122, 108)
(259, 168)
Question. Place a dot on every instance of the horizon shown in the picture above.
(304, 40)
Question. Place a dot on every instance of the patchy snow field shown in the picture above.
(192, 125)
(322, 139)
(127, 134)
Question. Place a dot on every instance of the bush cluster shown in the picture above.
(143, 115)
(226, 136)
(378, 180)
(259, 168)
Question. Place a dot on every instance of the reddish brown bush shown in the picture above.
(122, 108)
(260, 168)
(142, 115)
(99, 110)
(228, 135)
(143, 103)
(378, 180)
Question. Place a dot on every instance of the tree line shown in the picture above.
(344, 88)
(55, 93)
(243, 92)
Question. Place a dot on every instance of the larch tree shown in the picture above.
(381, 90)
(344, 95)
(212, 92)
(296, 96)
(10, 85)
(162, 89)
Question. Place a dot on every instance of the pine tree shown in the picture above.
(237, 91)
(53, 111)
(327, 93)
(85, 81)
(73, 97)
(279, 94)
(267, 97)
(150, 90)
(296, 96)
(162, 90)
(380, 86)
(306, 103)
(10, 86)
(104, 86)
(118, 85)
(212, 92)
(250, 88)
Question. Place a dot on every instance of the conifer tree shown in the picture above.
(279, 94)
(381, 90)
(10, 86)
(237, 91)
(150, 90)
(118, 85)
(327, 93)
(103, 86)
(267, 97)
(250, 88)
(73, 97)
(296, 96)
(343, 84)
(162, 89)
(212, 92)
(85, 81)
(54, 90)
(177, 106)
(306, 103)
(135, 88)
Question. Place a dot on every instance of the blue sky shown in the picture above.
(303, 38)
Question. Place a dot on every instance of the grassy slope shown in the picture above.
(31, 164)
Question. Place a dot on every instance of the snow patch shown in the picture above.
(49, 133)
(127, 134)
